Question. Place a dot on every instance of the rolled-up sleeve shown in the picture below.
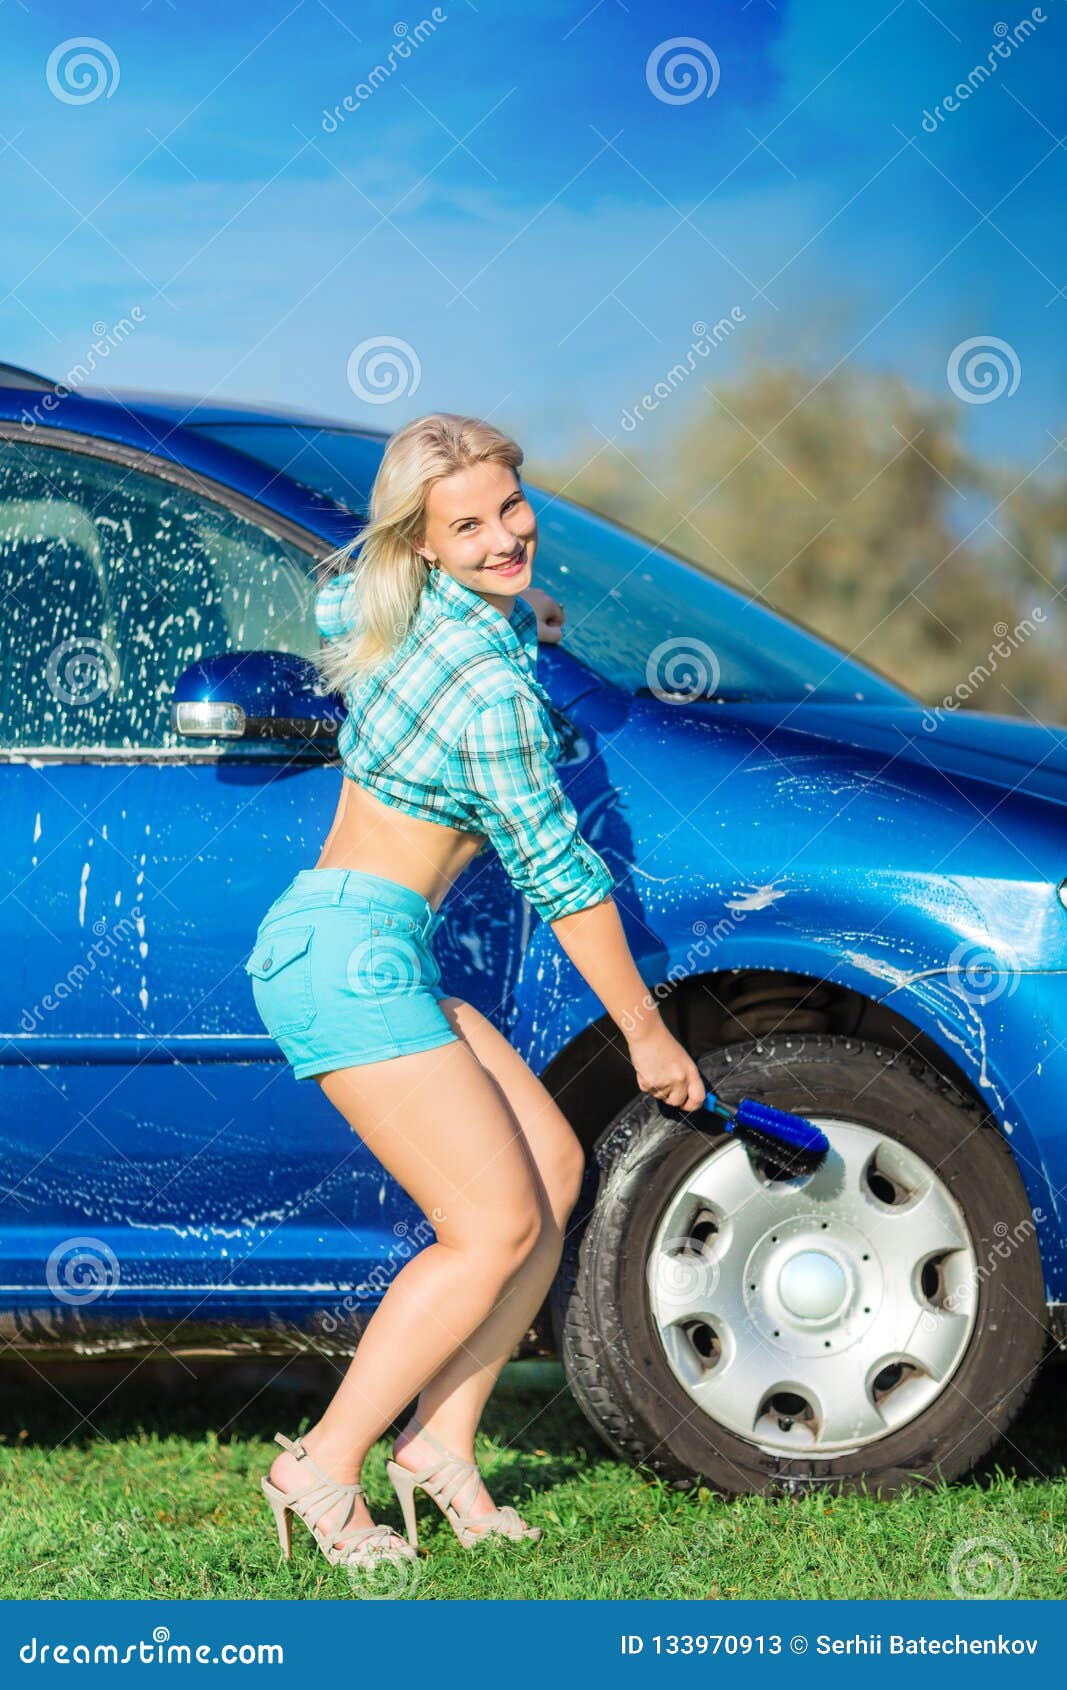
(502, 764)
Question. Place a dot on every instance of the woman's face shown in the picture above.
(481, 530)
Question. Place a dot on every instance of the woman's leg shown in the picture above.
(450, 1404)
(437, 1123)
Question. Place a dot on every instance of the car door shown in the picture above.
(157, 1155)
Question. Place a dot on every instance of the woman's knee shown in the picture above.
(562, 1172)
(522, 1233)
(499, 1239)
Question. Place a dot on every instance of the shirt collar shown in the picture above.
(514, 637)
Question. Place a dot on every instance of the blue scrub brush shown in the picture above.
(784, 1144)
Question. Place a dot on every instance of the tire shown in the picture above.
(915, 1373)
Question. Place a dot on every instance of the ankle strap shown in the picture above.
(294, 1446)
(416, 1425)
(297, 1449)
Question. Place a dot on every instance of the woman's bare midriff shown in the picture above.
(373, 837)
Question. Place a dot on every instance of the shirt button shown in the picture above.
(268, 961)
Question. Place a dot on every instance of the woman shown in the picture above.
(447, 743)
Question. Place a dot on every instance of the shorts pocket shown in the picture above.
(280, 967)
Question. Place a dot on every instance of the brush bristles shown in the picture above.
(789, 1129)
(783, 1143)
(779, 1157)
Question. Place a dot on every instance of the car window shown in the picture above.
(113, 582)
(651, 622)
(636, 615)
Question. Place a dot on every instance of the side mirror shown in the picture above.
(254, 695)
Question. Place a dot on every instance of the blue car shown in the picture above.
(848, 905)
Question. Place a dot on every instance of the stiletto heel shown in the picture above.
(442, 1481)
(282, 1518)
(315, 1498)
(404, 1484)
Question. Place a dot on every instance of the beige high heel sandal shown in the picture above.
(358, 1545)
(443, 1480)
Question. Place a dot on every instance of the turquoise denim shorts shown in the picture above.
(342, 972)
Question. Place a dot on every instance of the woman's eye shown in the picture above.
(510, 506)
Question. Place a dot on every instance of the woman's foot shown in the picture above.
(288, 1471)
(414, 1450)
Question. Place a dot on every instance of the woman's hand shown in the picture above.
(665, 1069)
(595, 941)
(550, 614)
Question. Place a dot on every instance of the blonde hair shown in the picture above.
(390, 573)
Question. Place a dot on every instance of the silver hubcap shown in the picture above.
(814, 1314)
(812, 1285)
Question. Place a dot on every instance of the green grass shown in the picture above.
(149, 1487)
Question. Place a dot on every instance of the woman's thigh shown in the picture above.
(438, 1124)
(550, 1139)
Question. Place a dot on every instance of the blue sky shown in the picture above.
(516, 204)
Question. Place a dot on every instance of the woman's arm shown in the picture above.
(594, 940)
(502, 764)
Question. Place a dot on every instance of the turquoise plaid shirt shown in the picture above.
(454, 727)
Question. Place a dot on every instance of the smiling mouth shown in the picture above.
(509, 562)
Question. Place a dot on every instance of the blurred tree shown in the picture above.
(851, 504)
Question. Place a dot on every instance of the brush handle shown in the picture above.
(715, 1106)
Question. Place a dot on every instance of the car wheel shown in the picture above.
(873, 1324)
